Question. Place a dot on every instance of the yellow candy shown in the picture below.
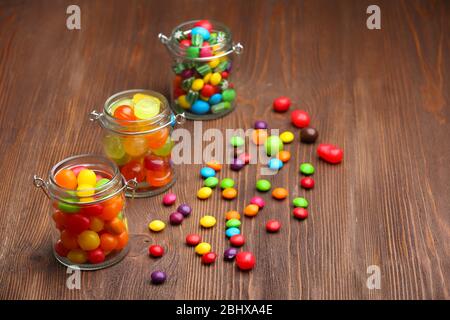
(85, 190)
(87, 176)
(204, 193)
(214, 63)
(139, 96)
(207, 78)
(183, 102)
(203, 248)
(135, 146)
(88, 199)
(207, 221)
(88, 240)
(96, 224)
(77, 256)
(204, 98)
(197, 85)
(287, 137)
(215, 78)
(156, 225)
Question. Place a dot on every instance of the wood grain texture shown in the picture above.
(382, 95)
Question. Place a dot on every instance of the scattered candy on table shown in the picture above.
(207, 221)
(279, 193)
(284, 156)
(156, 225)
(259, 136)
(176, 218)
(211, 182)
(193, 239)
(308, 135)
(263, 185)
(230, 253)
(237, 164)
(207, 172)
(232, 215)
(227, 183)
(251, 210)
(202, 248)
(260, 124)
(204, 193)
(230, 232)
(245, 260)
(215, 165)
(273, 145)
(300, 118)
(229, 193)
(258, 201)
(209, 258)
(287, 137)
(169, 199)
(330, 153)
(156, 251)
(281, 104)
(184, 209)
(237, 240)
(158, 277)
(307, 169)
(273, 225)
(233, 223)
(300, 213)
(300, 202)
(307, 183)
(275, 164)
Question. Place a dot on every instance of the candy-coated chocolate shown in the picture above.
(233, 214)
(158, 277)
(275, 164)
(230, 232)
(280, 193)
(204, 193)
(169, 199)
(258, 201)
(207, 221)
(237, 164)
(156, 251)
(307, 183)
(260, 124)
(263, 185)
(273, 145)
(230, 253)
(184, 209)
(156, 225)
(209, 258)
(300, 213)
(287, 137)
(214, 164)
(245, 261)
(227, 183)
(273, 225)
(202, 248)
(233, 223)
(300, 202)
(307, 169)
(193, 239)
(176, 218)
(308, 135)
(284, 156)
(281, 104)
(237, 240)
(207, 172)
(300, 118)
(229, 193)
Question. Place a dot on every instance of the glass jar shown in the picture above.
(202, 86)
(140, 146)
(91, 230)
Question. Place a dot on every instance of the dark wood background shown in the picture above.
(382, 95)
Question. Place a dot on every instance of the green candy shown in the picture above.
(227, 183)
(263, 185)
(306, 168)
(68, 208)
(203, 69)
(211, 182)
(221, 67)
(165, 149)
(273, 145)
(187, 83)
(193, 52)
(197, 40)
(233, 223)
(229, 95)
(178, 68)
(192, 96)
(101, 182)
(237, 141)
(220, 107)
(300, 202)
(120, 215)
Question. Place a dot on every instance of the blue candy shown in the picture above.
(275, 164)
(215, 99)
(201, 31)
(207, 172)
(232, 232)
(200, 107)
(173, 120)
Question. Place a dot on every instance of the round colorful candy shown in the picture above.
(204, 24)
(260, 124)
(245, 260)
(307, 169)
(169, 199)
(237, 164)
(227, 183)
(287, 137)
(158, 277)
(273, 145)
(230, 253)
(184, 209)
(308, 135)
(176, 218)
(275, 164)
(281, 104)
(230, 232)
(96, 256)
(156, 225)
(300, 118)
(66, 179)
(229, 193)
(77, 223)
(147, 108)
(300, 213)
(193, 239)
(204, 193)
(273, 225)
(87, 177)
(207, 221)
(279, 193)
(215, 165)
(233, 223)
(263, 185)
(209, 258)
(207, 172)
(330, 153)
(307, 183)
(284, 156)
(258, 201)
(200, 107)
(89, 240)
(202, 248)
(300, 202)
(237, 240)
(233, 214)
(156, 251)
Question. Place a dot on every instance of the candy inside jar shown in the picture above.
(88, 211)
(202, 86)
(138, 139)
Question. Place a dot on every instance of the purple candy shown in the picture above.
(176, 218)
(230, 253)
(169, 199)
(237, 164)
(258, 201)
(158, 277)
(184, 209)
(187, 73)
(260, 124)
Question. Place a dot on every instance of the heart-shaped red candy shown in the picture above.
(330, 153)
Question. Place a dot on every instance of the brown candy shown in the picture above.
(308, 135)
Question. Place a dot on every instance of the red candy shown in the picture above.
(300, 118)
(204, 24)
(96, 256)
(209, 258)
(76, 223)
(185, 43)
(156, 251)
(307, 183)
(208, 90)
(330, 153)
(93, 210)
(60, 249)
(281, 104)
(300, 213)
(237, 240)
(124, 113)
(193, 239)
(245, 260)
(133, 170)
(273, 225)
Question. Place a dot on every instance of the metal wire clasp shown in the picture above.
(163, 38)
(238, 48)
(180, 118)
(131, 185)
(94, 115)
(40, 183)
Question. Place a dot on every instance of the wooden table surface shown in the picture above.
(383, 95)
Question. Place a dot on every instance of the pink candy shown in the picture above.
(258, 201)
(169, 199)
(205, 52)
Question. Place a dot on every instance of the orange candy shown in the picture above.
(214, 164)
(279, 193)
(66, 179)
(108, 242)
(122, 240)
(69, 241)
(284, 155)
(159, 178)
(158, 138)
(251, 210)
(116, 226)
(229, 193)
(259, 136)
(232, 215)
(112, 208)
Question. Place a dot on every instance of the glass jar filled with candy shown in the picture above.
(202, 84)
(137, 137)
(88, 210)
